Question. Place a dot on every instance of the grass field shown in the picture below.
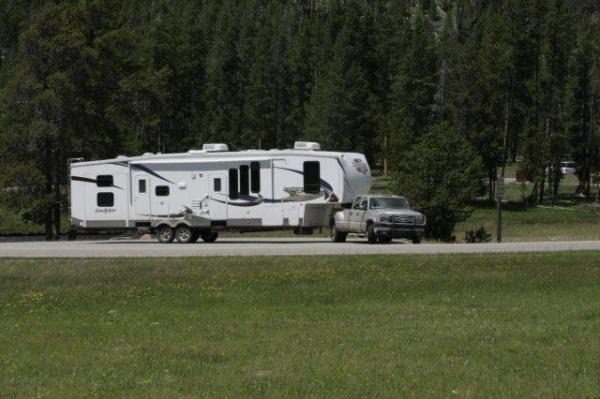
(403, 326)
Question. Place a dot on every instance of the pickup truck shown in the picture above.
(380, 218)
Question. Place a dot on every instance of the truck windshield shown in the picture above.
(389, 203)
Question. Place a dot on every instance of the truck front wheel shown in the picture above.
(371, 236)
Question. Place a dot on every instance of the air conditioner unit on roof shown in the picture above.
(215, 147)
(306, 145)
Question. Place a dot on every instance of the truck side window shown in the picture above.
(105, 199)
(104, 181)
(255, 177)
(312, 177)
(233, 184)
(374, 204)
(363, 204)
(244, 180)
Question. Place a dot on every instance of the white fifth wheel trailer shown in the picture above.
(186, 196)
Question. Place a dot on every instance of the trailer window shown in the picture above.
(244, 180)
(105, 199)
(162, 191)
(255, 177)
(233, 184)
(142, 186)
(312, 177)
(104, 181)
(217, 185)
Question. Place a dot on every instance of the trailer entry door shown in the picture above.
(141, 197)
(217, 202)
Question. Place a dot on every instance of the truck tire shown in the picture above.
(338, 236)
(209, 236)
(165, 234)
(196, 235)
(184, 234)
(417, 239)
(371, 236)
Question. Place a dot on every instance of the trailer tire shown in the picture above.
(165, 234)
(209, 236)
(417, 239)
(338, 236)
(195, 236)
(184, 234)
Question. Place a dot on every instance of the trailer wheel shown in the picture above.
(209, 236)
(417, 239)
(184, 234)
(195, 235)
(165, 234)
(338, 236)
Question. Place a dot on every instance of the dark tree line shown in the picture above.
(492, 79)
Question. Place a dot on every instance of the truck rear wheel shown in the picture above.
(338, 236)
(417, 239)
(165, 234)
(209, 236)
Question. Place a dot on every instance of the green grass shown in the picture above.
(507, 325)
(576, 222)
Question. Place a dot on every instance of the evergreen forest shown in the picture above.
(431, 91)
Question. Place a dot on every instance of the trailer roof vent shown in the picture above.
(307, 145)
(215, 147)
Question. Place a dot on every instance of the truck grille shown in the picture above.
(407, 219)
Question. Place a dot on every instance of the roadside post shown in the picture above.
(499, 194)
(596, 181)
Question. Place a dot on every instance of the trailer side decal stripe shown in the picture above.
(90, 180)
(144, 169)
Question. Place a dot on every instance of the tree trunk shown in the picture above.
(385, 154)
(542, 186)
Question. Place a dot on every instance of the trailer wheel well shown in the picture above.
(160, 226)
(181, 224)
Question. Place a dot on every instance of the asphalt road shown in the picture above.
(268, 247)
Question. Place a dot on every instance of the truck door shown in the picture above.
(356, 215)
(141, 197)
(217, 196)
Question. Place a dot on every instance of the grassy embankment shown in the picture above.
(418, 326)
